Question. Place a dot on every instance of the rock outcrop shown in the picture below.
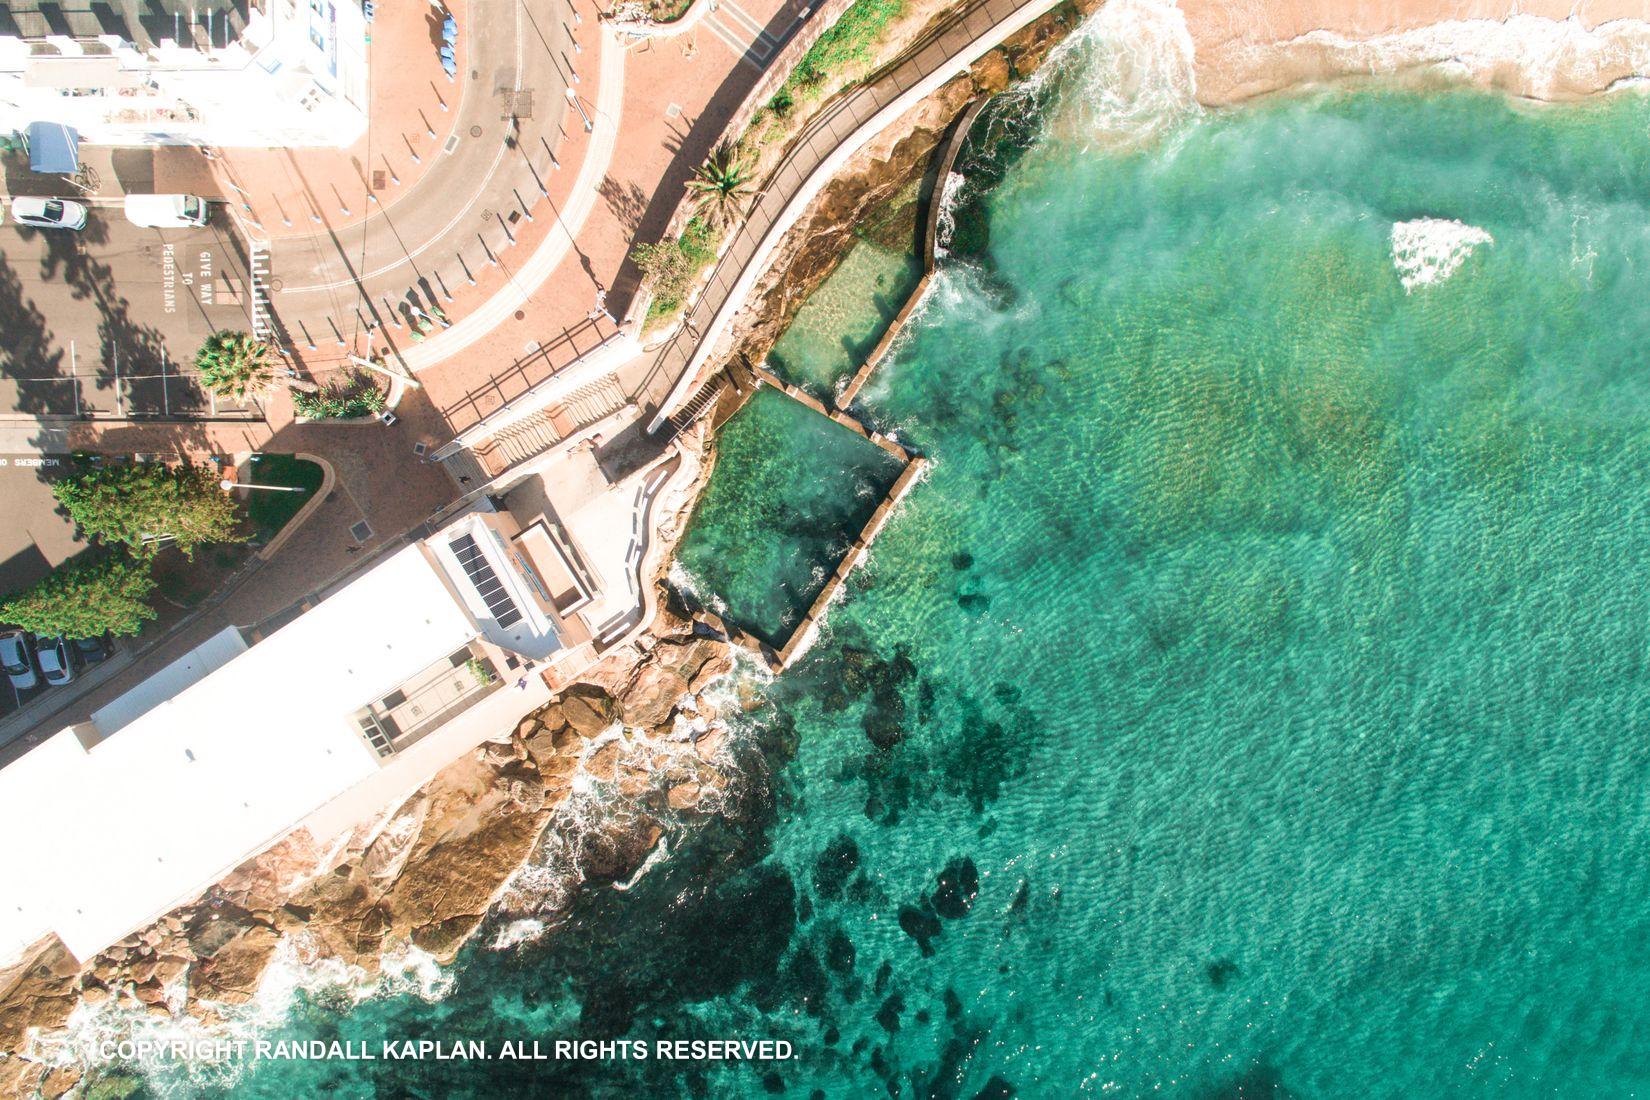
(427, 874)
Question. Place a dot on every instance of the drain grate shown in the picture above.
(361, 532)
(452, 143)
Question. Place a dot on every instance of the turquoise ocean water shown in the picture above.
(1253, 701)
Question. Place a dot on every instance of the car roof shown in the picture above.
(34, 205)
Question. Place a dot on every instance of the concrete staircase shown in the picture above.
(547, 427)
(465, 469)
(699, 404)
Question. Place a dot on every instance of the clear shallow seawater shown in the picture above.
(1273, 645)
(806, 485)
(842, 321)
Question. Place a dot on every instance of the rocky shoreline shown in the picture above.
(643, 735)
(641, 732)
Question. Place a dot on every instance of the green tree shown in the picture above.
(236, 364)
(83, 601)
(723, 185)
(148, 504)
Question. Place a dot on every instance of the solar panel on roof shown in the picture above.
(486, 582)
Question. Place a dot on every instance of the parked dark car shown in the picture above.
(94, 650)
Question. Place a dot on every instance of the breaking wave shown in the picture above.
(1430, 250)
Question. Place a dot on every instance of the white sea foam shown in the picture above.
(682, 579)
(1430, 250)
(945, 224)
(518, 932)
(411, 970)
(1131, 69)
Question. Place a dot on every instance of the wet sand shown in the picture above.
(1541, 48)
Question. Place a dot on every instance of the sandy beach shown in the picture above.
(1540, 49)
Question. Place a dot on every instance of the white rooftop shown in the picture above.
(191, 668)
(158, 811)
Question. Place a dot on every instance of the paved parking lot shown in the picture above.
(105, 322)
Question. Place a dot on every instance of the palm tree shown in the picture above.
(723, 184)
(236, 364)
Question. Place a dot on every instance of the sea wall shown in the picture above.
(885, 173)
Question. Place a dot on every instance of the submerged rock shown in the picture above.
(921, 925)
(958, 885)
(835, 865)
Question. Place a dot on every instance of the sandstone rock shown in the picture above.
(635, 782)
(586, 708)
(547, 744)
(614, 853)
(991, 72)
(529, 726)
(709, 743)
(95, 995)
(212, 927)
(684, 796)
(169, 968)
(603, 763)
(671, 671)
(149, 993)
(525, 793)
(38, 992)
(649, 701)
(20, 1076)
(232, 974)
(443, 939)
(501, 753)
(159, 1010)
(58, 1081)
(389, 851)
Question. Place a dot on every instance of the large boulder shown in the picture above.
(614, 852)
(38, 992)
(586, 708)
(232, 974)
(670, 672)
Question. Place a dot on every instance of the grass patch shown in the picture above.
(269, 510)
(842, 55)
(672, 267)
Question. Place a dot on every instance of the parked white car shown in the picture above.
(56, 659)
(166, 211)
(49, 213)
(16, 659)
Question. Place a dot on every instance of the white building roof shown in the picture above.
(191, 668)
(158, 811)
(529, 632)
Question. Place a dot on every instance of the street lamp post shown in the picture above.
(229, 483)
(573, 98)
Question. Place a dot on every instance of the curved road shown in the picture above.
(329, 285)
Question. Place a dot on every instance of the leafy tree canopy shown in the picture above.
(83, 601)
(146, 504)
